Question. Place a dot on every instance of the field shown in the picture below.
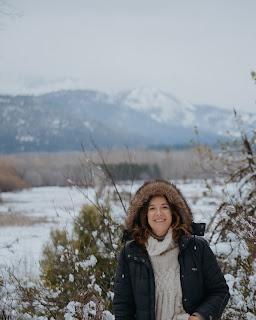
(28, 216)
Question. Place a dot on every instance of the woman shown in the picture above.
(165, 271)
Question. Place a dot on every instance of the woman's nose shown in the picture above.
(158, 211)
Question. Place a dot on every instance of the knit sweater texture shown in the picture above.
(168, 295)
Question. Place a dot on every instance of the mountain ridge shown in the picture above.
(63, 120)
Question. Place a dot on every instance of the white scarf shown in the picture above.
(168, 294)
(156, 247)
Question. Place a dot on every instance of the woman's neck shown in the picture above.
(159, 238)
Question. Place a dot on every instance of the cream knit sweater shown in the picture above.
(168, 294)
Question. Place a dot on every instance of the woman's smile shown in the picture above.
(159, 215)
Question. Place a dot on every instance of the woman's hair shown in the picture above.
(137, 219)
(140, 229)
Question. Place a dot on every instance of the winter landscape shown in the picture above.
(21, 246)
(35, 214)
(95, 99)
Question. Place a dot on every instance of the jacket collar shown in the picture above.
(198, 229)
(183, 242)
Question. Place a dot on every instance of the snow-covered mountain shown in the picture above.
(166, 108)
(143, 117)
(161, 106)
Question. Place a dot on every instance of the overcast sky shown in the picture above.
(200, 51)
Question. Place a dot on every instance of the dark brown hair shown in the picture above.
(140, 229)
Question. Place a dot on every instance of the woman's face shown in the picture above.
(159, 215)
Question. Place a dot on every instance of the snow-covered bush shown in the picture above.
(77, 270)
(86, 259)
(233, 230)
(8, 298)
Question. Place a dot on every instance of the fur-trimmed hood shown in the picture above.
(174, 197)
(161, 188)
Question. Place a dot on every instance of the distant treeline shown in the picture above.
(133, 171)
(60, 169)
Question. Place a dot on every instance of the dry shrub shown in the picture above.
(10, 179)
(20, 219)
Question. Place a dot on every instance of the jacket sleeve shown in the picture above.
(216, 288)
(123, 303)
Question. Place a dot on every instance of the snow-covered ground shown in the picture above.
(21, 246)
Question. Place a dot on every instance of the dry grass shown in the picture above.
(10, 179)
(51, 169)
(20, 219)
